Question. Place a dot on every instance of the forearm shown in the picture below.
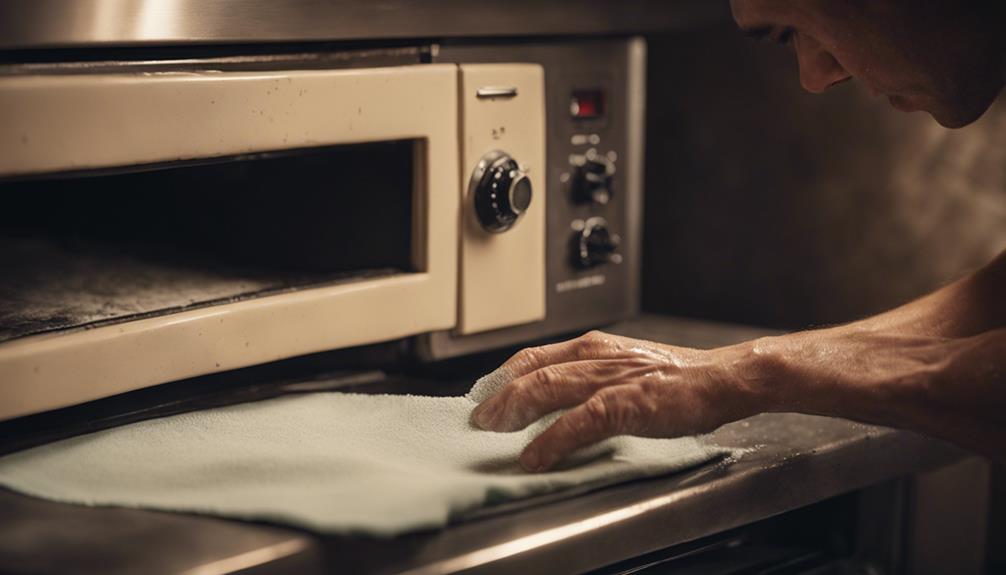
(952, 388)
(971, 305)
(936, 365)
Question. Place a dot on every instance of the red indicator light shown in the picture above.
(587, 104)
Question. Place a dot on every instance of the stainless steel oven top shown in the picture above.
(31, 24)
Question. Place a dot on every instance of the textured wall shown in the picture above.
(771, 206)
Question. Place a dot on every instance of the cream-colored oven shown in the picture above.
(165, 220)
(168, 224)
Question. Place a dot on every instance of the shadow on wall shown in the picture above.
(770, 206)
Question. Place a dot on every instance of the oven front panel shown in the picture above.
(595, 104)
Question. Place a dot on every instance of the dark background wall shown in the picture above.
(770, 206)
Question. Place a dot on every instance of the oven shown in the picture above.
(171, 222)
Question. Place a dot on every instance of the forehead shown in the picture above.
(760, 13)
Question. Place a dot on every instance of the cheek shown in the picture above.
(881, 68)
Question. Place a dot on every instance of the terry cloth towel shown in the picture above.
(331, 462)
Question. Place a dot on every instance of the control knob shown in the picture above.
(595, 245)
(594, 177)
(501, 191)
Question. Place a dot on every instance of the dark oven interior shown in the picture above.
(84, 248)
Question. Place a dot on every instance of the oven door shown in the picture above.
(80, 128)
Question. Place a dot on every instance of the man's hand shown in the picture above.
(936, 365)
(616, 385)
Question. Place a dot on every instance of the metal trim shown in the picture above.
(44, 24)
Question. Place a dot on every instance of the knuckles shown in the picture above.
(528, 358)
(547, 384)
(592, 341)
(599, 410)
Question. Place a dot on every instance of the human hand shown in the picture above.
(615, 385)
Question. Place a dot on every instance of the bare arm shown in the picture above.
(936, 365)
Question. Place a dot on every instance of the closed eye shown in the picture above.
(784, 37)
(770, 33)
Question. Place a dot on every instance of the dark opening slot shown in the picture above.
(819, 539)
(81, 249)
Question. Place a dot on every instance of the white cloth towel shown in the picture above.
(331, 462)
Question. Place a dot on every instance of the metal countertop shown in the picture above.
(786, 461)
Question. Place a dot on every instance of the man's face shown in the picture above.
(942, 57)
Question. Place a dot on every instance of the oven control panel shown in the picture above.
(590, 137)
(590, 190)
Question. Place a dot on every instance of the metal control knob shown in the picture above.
(501, 191)
(595, 174)
(595, 245)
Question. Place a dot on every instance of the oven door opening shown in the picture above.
(88, 249)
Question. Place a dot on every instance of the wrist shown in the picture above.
(802, 372)
(751, 376)
(879, 377)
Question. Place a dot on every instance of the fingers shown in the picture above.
(591, 345)
(528, 398)
(618, 410)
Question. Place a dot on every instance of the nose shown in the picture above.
(819, 70)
